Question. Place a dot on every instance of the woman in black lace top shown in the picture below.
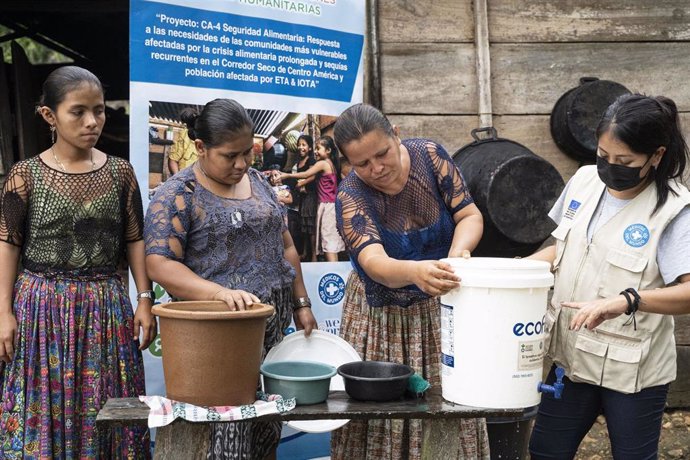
(68, 335)
(404, 206)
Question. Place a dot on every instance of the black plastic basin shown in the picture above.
(375, 380)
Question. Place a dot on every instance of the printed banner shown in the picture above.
(294, 64)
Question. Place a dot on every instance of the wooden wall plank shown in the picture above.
(526, 78)
(679, 392)
(529, 78)
(426, 21)
(452, 132)
(588, 20)
(428, 78)
(682, 329)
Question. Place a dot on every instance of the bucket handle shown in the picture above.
(584, 80)
(492, 134)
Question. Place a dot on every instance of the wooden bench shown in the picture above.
(189, 440)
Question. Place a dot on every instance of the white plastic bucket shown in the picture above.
(492, 332)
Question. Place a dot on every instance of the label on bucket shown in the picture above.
(530, 355)
(447, 336)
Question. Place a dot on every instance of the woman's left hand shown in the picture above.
(144, 319)
(304, 319)
(591, 314)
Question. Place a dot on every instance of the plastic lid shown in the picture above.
(496, 272)
(322, 347)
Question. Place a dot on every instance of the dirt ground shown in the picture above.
(674, 443)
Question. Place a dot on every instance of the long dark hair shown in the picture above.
(644, 124)
(327, 142)
(310, 142)
(63, 80)
(358, 120)
(218, 122)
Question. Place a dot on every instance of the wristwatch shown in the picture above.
(302, 302)
(146, 295)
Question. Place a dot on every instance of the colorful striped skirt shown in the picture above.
(74, 348)
(409, 336)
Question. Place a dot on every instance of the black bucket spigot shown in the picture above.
(557, 387)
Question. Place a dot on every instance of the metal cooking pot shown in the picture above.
(577, 113)
(514, 189)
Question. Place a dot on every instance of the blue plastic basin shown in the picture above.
(306, 381)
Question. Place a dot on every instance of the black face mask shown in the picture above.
(619, 177)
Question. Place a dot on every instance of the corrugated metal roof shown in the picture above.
(265, 121)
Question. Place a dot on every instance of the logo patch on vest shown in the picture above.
(572, 209)
(636, 235)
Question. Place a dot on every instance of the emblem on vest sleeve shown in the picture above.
(636, 235)
(572, 209)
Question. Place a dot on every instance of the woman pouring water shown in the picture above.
(405, 206)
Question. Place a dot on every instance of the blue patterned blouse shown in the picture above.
(237, 243)
(415, 224)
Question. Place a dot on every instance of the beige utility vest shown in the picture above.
(622, 254)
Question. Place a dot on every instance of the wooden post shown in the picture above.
(483, 58)
(182, 440)
(372, 67)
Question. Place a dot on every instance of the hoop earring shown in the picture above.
(53, 135)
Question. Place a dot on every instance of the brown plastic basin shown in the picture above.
(211, 355)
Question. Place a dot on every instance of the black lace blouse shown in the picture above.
(66, 222)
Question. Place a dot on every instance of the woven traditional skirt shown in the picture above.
(409, 336)
(74, 349)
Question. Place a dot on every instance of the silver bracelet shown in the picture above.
(302, 302)
(146, 295)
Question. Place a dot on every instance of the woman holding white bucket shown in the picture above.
(405, 207)
(622, 245)
(216, 231)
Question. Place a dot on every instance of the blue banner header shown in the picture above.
(190, 47)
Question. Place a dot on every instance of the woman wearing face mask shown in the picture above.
(622, 245)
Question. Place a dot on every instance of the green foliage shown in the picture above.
(35, 52)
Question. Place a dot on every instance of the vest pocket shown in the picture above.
(622, 368)
(551, 330)
(588, 360)
(622, 270)
(612, 360)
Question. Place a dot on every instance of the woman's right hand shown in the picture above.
(434, 277)
(8, 329)
(236, 299)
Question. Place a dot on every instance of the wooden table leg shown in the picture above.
(182, 440)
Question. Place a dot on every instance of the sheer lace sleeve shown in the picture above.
(168, 220)
(14, 203)
(355, 221)
(134, 211)
(452, 185)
